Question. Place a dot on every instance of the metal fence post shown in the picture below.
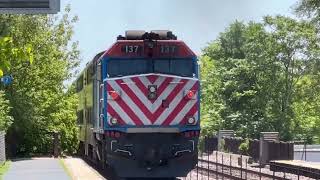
(216, 164)
(222, 165)
(273, 174)
(208, 158)
(230, 165)
(202, 162)
(198, 168)
(246, 168)
(260, 170)
(241, 166)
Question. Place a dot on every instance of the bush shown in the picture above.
(5, 119)
(244, 147)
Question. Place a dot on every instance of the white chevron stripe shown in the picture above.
(145, 81)
(183, 112)
(174, 103)
(152, 107)
(159, 80)
(123, 115)
(196, 115)
(131, 104)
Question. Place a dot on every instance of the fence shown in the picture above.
(213, 165)
(275, 150)
(2, 147)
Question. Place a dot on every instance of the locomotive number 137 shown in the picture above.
(131, 48)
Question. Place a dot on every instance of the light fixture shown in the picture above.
(191, 120)
(114, 95)
(152, 89)
(152, 92)
(190, 94)
(113, 121)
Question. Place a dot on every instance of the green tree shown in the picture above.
(211, 104)
(12, 52)
(309, 9)
(39, 98)
(258, 66)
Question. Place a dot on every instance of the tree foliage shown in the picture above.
(38, 96)
(309, 9)
(257, 70)
(5, 118)
(11, 52)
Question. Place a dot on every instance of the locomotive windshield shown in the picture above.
(121, 67)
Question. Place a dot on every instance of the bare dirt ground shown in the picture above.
(80, 170)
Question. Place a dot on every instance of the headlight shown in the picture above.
(113, 121)
(152, 95)
(152, 89)
(190, 94)
(191, 120)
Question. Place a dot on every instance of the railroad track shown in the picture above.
(233, 172)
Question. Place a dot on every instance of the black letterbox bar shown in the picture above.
(24, 4)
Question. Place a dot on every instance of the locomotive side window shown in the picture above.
(98, 66)
(90, 73)
(80, 117)
(89, 115)
(80, 83)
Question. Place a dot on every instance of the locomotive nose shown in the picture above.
(153, 158)
(150, 156)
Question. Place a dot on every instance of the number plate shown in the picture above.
(168, 49)
(131, 49)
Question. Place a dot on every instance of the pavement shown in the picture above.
(36, 169)
(80, 170)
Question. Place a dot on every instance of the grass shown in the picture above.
(4, 168)
(64, 167)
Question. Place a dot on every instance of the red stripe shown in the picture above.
(171, 96)
(153, 78)
(192, 111)
(135, 99)
(140, 85)
(178, 108)
(113, 113)
(164, 85)
(140, 104)
(127, 109)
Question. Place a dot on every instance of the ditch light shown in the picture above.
(29, 6)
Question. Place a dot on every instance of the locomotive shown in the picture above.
(139, 106)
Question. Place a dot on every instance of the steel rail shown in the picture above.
(249, 171)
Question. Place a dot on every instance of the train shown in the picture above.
(139, 106)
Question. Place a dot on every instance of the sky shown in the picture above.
(197, 22)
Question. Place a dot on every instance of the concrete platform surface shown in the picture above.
(80, 170)
(36, 169)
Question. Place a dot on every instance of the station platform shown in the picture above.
(298, 167)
